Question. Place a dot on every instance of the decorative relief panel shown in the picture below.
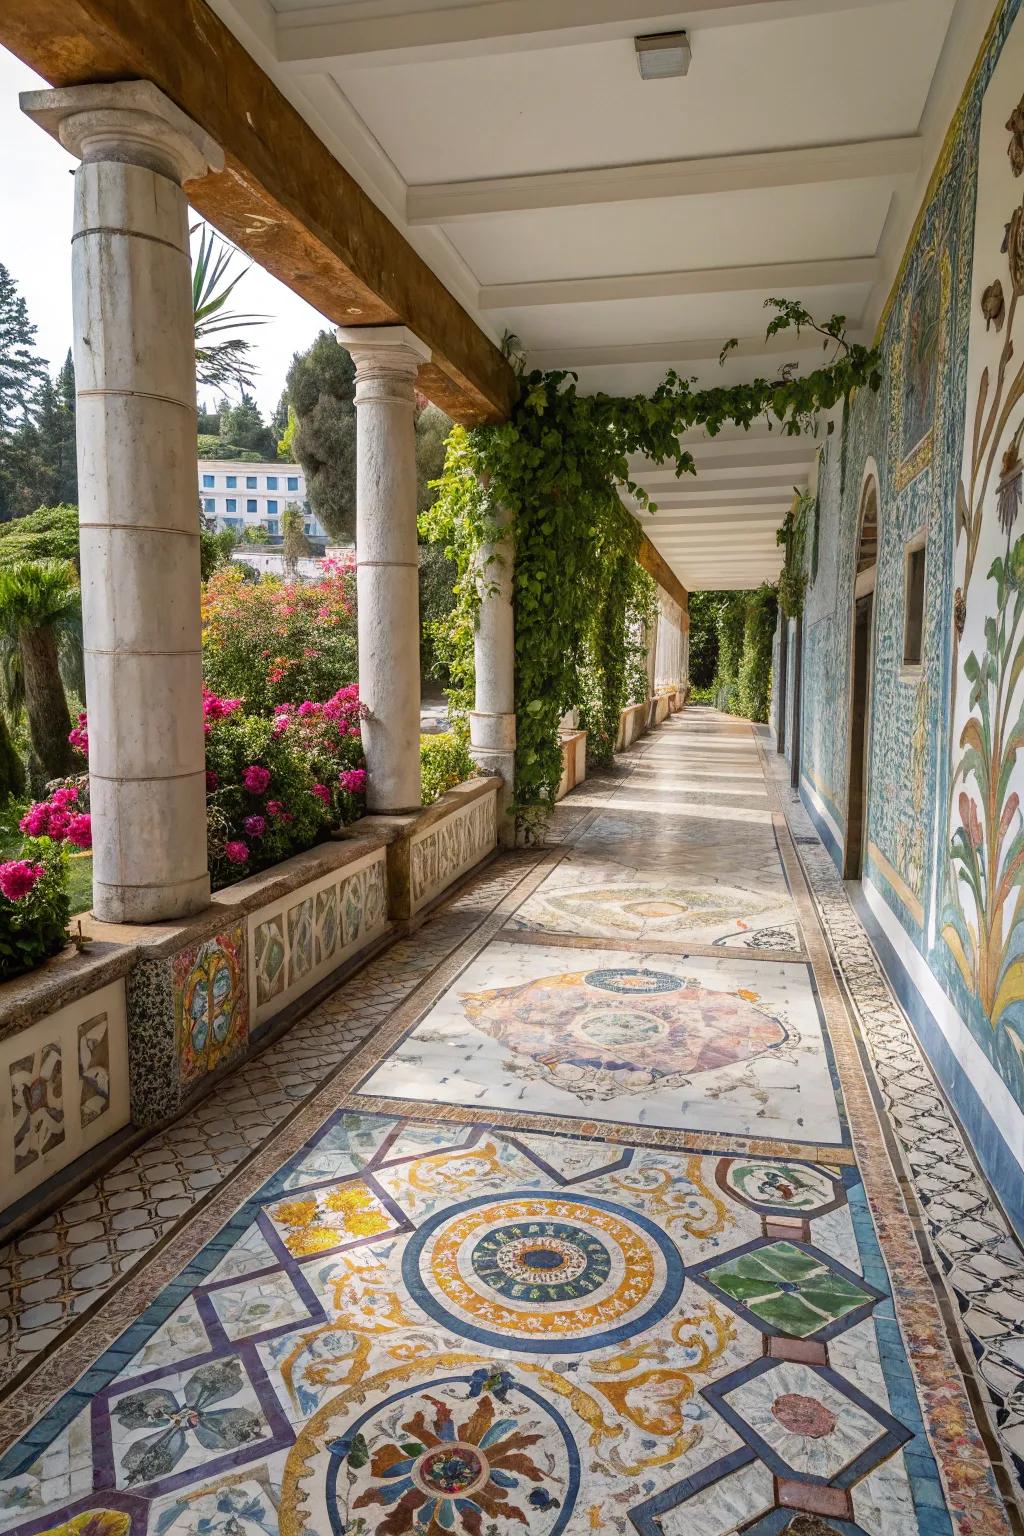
(301, 939)
(64, 1082)
(450, 848)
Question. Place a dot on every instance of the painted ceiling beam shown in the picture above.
(316, 37)
(691, 488)
(282, 197)
(450, 202)
(680, 353)
(782, 277)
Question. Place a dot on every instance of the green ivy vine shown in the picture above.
(558, 465)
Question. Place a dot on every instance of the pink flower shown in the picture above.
(212, 781)
(281, 724)
(64, 797)
(80, 831)
(307, 707)
(275, 807)
(236, 852)
(322, 793)
(256, 779)
(353, 780)
(255, 826)
(19, 877)
(58, 826)
(36, 820)
(79, 735)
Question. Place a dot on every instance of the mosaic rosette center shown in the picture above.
(544, 1274)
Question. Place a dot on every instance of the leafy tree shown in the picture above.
(296, 545)
(732, 623)
(432, 429)
(242, 426)
(12, 769)
(55, 433)
(22, 371)
(279, 420)
(40, 615)
(321, 387)
(207, 421)
(47, 533)
(704, 608)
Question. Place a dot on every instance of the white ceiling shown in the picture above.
(621, 227)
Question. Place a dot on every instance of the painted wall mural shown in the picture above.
(983, 893)
(945, 827)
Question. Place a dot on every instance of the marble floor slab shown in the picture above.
(722, 1044)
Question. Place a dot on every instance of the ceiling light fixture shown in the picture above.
(663, 55)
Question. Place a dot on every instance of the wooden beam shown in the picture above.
(773, 277)
(282, 197)
(451, 202)
(317, 38)
(655, 564)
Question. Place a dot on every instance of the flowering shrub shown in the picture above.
(64, 816)
(277, 785)
(79, 736)
(271, 641)
(34, 906)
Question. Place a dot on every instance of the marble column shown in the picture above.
(136, 423)
(492, 723)
(387, 560)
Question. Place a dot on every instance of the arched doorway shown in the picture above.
(860, 682)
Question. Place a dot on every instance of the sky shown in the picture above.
(36, 190)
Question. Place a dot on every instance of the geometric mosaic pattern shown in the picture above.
(406, 1316)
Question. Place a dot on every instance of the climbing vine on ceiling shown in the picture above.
(559, 466)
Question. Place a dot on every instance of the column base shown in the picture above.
(150, 903)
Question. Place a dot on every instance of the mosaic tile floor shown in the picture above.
(546, 1222)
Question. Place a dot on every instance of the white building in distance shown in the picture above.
(239, 495)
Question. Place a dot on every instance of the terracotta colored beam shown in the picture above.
(655, 564)
(282, 197)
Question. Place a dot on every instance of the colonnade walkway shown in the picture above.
(618, 1198)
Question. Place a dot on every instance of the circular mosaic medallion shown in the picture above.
(637, 983)
(780, 1186)
(562, 1264)
(541, 1273)
(621, 1027)
(447, 1453)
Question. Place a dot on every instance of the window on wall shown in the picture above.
(272, 506)
(250, 505)
(271, 482)
(913, 607)
(272, 527)
(250, 482)
(231, 481)
(209, 505)
(293, 482)
(230, 504)
(208, 482)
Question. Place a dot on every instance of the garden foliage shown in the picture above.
(34, 906)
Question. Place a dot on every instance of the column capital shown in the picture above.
(130, 121)
(378, 350)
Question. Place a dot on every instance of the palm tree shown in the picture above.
(40, 621)
(219, 363)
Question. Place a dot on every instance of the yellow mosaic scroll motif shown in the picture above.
(693, 1205)
(328, 1218)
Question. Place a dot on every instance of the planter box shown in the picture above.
(430, 849)
(574, 762)
(632, 723)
